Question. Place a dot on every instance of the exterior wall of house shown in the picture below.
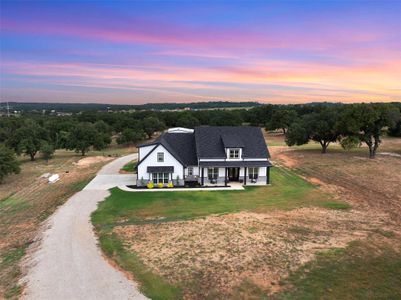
(261, 180)
(195, 170)
(151, 161)
(261, 177)
(143, 151)
(220, 178)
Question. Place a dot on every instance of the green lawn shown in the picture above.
(129, 167)
(361, 271)
(287, 191)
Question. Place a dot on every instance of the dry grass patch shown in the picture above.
(213, 256)
(372, 184)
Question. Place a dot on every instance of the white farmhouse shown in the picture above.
(206, 155)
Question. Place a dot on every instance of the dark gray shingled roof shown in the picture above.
(210, 141)
(232, 141)
(210, 144)
(180, 145)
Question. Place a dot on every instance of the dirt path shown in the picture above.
(67, 264)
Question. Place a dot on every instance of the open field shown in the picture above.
(370, 184)
(210, 244)
(326, 223)
(27, 200)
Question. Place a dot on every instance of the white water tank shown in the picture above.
(54, 178)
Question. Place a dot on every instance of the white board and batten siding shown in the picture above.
(143, 151)
(151, 160)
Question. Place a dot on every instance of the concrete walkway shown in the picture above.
(68, 264)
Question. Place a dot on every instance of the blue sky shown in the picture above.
(150, 51)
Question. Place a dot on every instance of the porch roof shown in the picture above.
(161, 169)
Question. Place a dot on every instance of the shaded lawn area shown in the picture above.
(288, 191)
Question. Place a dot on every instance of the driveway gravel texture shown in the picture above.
(66, 263)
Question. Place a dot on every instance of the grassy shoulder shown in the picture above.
(288, 191)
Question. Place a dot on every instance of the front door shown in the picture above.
(233, 174)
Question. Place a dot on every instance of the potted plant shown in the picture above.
(150, 185)
(160, 185)
(170, 185)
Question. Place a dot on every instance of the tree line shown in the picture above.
(325, 123)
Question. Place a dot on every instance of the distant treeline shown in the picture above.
(325, 123)
(79, 107)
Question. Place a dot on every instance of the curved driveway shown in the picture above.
(68, 264)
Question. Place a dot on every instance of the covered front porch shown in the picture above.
(224, 173)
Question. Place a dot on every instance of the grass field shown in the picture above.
(287, 192)
(362, 270)
(296, 239)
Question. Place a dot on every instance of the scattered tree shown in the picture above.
(151, 125)
(47, 151)
(188, 121)
(395, 130)
(8, 162)
(131, 136)
(281, 119)
(297, 134)
(365, 122)
(322, 127)
(84, 136)
(28, 139)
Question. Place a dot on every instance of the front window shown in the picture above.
(234, 153)
(160, 157)
(253, 173)
(190, 171)
(212, 173)
(160, 177)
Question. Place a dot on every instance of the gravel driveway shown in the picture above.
(68, 264)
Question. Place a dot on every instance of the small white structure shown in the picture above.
(54, 178)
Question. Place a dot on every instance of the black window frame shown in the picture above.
(160, 177)
(212, 173)
(252, 174)
(162, 155)
(236, 153)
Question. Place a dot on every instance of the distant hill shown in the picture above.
(77, 107)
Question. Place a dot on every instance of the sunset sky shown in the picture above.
(137, 52)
